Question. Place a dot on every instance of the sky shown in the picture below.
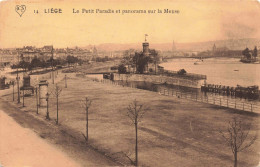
(196, 22)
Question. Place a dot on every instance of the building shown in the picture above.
(147, 60)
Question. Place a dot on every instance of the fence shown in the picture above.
(208, 98)
(212, 99)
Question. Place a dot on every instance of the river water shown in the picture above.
(224, 71)
(221, 71)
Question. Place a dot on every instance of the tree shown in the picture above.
(140, 61)
(56, 92)
(121, 69)
(24, 65)
(135, 112)
(237, 137)
(246, 53)
(36, 62)
(71, 59)
(86, 104)
(128, 57)
(255, 52)
(154, 58)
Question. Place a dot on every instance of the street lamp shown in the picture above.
(13, 89)
(36, 95)
(65, 81)
(18, 87)
(47, 100)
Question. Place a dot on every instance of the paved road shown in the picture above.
(34, 142)
(22, 147)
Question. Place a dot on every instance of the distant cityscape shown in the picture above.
(223, 48)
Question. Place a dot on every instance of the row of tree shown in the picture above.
(236, 135)
(51, 62)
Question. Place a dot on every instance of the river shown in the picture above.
(222, 71)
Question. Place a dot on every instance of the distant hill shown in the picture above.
(232, 44)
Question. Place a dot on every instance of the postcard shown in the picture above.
(164, 83)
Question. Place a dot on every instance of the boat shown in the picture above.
(198, 62)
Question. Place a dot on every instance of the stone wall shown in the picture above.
(179, 81)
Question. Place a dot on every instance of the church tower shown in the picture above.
(214, 48)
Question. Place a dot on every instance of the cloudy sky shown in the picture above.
(196, 22)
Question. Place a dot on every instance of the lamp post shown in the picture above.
(47, 100)
(36, 95)
(23, 96)
(18, 88)
(13, 89)
(65, 81)
(18, 78)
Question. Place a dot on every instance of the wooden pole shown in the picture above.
(47, 113)
(37, 105)
(18, 88)
(227, 102)
(86, 119)
(23, 97)
(136, 143)
(65, 81)
(57, 109)
(13, 90)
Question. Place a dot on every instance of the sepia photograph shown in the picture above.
(151, 83)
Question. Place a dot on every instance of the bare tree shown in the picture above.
(56, 92)
(86, 104)
(36, 96)
(237, 138)
(135, 112)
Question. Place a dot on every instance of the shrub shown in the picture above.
(181, 72)
(121, 69)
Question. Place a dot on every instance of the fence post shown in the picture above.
(227, 102)
(23, 97)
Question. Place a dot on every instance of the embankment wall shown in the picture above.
(179, 81)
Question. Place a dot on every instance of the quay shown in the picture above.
(250, 92)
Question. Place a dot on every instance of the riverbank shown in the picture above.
(173, 132)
